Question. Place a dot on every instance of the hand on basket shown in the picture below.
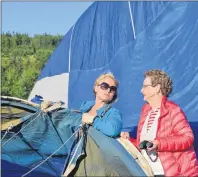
(125, 135)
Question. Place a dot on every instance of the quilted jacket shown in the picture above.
(175, 138)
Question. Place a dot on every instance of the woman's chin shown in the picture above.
(106, 100)
(144, 98)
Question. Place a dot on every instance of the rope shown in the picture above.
(73, 155)
(131, 16)
(9, 128)
(51, 154)
(70, 49)
(67, 171)
(21, 129)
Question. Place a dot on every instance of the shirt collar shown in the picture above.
(89, 104)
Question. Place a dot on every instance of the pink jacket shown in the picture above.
(175, 139)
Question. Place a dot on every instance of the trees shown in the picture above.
(23, 58)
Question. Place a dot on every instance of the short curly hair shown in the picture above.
(160, 77)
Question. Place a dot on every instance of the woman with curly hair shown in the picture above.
(164, 135)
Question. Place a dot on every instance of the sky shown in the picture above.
(55, 18)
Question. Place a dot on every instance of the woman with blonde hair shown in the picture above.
(164, 135)
(99, 112)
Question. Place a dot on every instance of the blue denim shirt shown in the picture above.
(110, 123)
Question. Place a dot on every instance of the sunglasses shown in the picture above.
(105, 86)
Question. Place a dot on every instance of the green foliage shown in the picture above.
(22, 59)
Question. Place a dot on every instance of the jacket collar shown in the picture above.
(163, 108)
(89, 104)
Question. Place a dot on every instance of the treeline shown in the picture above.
(23, 58)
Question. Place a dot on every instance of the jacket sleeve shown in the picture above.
(182, 136)
(110, 125)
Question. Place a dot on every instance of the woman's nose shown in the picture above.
(109, 90)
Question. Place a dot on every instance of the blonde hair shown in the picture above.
(101, 77)
(104, 75)
(160, 77)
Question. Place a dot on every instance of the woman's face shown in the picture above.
(148, 90)
(106, 89)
